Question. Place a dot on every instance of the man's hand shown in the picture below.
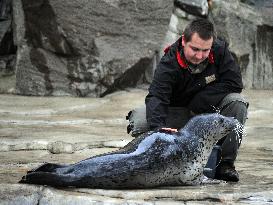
(168, 129)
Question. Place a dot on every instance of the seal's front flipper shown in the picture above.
(213, 161)
(47, 167)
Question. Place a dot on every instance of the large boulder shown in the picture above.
(86, 48)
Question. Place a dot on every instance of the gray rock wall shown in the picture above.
(248, 27)
(86, 48)
(93, 48)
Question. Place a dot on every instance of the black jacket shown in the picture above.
(174, 85)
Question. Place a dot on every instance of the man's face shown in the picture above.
(196, 50)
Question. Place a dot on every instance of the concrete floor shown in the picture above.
(34, 130)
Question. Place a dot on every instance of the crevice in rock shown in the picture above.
(243, 62)
(205, 199)
(264, 57)
(7, 47)
(209, 199)
(260, 3)
(5, 9)
(39, 60)
(131, 77)
(249, 2)
(42, 30)
(193, 7)
(40, 195)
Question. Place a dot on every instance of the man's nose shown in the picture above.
(199, 55)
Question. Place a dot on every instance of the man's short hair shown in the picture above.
(203, 27)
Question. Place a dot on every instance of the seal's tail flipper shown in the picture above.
(44, 175)
(47, 167)
(45, 178)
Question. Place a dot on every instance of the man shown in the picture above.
(197, 74)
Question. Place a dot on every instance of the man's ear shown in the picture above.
(183, 40)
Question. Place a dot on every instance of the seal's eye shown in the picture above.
(215, 122)
(221, 120)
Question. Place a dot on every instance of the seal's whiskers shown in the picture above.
(240, 131)
(216, 109)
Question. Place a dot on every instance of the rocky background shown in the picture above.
(248, 27)
(93, 48)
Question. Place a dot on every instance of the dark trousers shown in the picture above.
(233, 105)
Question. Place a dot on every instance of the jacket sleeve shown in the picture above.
(160, 91)
(229, 81)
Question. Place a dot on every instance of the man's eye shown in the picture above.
(195, 49)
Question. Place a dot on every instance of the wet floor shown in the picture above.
(34, 130)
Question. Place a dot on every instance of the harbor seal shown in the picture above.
(153, 159)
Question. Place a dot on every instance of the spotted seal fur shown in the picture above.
(151, 160)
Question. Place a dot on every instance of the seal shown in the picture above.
(153, 159)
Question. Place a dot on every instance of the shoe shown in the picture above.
(226, 171)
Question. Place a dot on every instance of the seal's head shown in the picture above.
(212, 126)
